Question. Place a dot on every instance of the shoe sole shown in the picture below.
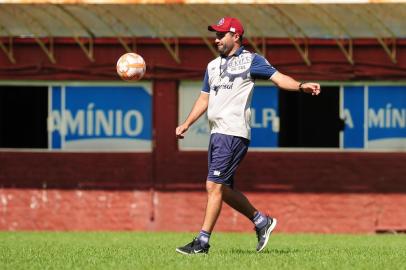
(185, 253)
(268, 233)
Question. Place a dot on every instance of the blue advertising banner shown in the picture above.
(55, 141)
(353, 115)
(387, 117)
(265, 118)
(101, 118)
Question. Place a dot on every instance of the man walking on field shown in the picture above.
(226, 95)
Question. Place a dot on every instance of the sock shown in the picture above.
(204, 238)
(259, 220)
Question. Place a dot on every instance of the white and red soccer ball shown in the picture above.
(131, 67)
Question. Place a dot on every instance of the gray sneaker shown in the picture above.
(264, 233)
(194, 247)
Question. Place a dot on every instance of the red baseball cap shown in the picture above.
(227, 24)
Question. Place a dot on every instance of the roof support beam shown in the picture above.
(262, 38)
(347, 48)
(47, 47)
(167, 42)
(259, 44)
(388, 44)
(191, 19)
(30, 23)
(335, 31)
(116, 20)
(104, 14)
(302, 49)
(173, 49)
(291, 29)
(7, 49)
(86, 46)
(385, 37)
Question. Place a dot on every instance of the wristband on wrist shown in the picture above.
(300, 87)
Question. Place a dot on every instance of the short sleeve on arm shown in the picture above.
(261, 68)
(206, 86)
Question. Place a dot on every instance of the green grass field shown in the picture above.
(126, 250)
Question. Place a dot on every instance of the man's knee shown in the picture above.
(214, 188)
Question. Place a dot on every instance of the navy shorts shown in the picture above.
(225, 153)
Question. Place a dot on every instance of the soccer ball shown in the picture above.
(131, 67)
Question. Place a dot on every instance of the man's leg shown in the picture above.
(264, 225)
(239, 202)
(214, 203)
(213, 208)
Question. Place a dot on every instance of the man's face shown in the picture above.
(225, 42)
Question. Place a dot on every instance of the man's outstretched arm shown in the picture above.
(198, 109)
(288, 83)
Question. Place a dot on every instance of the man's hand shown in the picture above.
(181, 130)
(311, 88)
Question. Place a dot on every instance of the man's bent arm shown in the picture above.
(288, 83)
(285, 82)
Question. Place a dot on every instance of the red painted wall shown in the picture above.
(56, 209)
(353, 192)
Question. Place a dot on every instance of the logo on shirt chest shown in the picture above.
(239, 65)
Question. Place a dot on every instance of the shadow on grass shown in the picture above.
(277, 251)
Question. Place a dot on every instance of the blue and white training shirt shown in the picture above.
(230, 81)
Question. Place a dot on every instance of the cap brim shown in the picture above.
(215, 28)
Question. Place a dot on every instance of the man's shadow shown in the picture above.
(278, 251)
